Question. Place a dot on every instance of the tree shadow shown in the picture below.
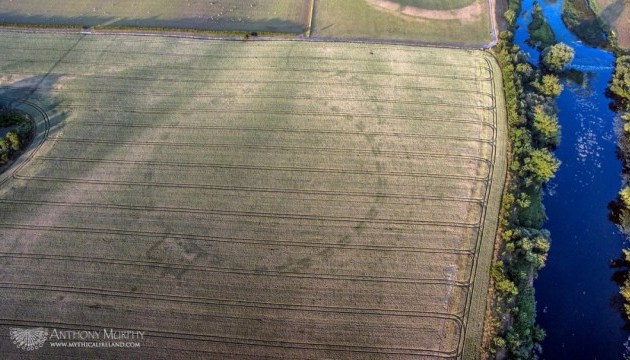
(615, 208)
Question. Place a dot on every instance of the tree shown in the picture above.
(625, 293)
(14, 140)
(541, 34)
(557, 57)
(510, 16)
(620, 85)
(546, 127)
(501, 282)
(548, 85)
(540, 166)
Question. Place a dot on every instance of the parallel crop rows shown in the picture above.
(254, 194)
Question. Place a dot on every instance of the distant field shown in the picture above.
(456, 22)
(287, 16)
(436, 4)
(389, 20)
(252, 199)
(617, 14)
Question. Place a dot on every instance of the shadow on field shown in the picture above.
(221, 24)
(33, 95)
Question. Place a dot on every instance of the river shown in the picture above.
(575, 292)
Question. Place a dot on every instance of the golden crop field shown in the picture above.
(263, 199)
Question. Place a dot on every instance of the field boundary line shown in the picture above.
(180, 34)
(494, 36)
(309, 21)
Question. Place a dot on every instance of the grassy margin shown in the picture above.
(477, 311)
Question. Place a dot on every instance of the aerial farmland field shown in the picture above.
(241, 199)
(284, 16)
(455, 22)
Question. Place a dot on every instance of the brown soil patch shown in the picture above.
(468, 13)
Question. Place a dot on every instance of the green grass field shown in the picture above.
(252, 199)
(368, 21)
(284, 16)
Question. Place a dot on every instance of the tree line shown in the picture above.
(619, 90)
(534, 132)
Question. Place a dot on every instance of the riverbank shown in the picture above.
(575, 288)
(511, 329)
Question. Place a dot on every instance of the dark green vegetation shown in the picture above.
(620, 84)
(540, 33)
(17, 130)
(580, 18)
(534, 131)
(436, 4)
(514, 8)
(620, 91)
